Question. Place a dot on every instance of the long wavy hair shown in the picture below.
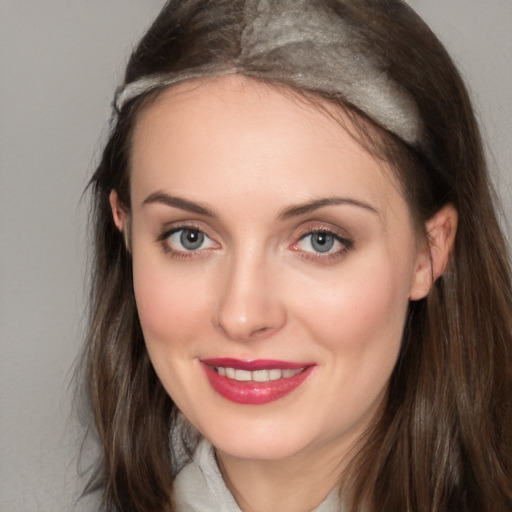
(443, 440)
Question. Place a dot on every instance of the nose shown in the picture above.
(249, 305)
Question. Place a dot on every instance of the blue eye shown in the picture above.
(188, 240)
(191, 239)
(322, 242)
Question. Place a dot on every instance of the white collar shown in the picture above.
(199, 486)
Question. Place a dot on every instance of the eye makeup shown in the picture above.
(186, 240)
(321, 242)
(315, 243)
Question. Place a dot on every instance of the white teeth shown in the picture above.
(257, 375)
(274, 374)
(260, 376)
(243, 375)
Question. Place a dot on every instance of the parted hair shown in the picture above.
(443, 440)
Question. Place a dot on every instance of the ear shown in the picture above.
(120, 216)
(118, 212)
(434, 256)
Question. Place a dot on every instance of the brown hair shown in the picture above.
(443, 441)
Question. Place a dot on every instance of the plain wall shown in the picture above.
(60, 61)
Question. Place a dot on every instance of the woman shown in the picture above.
(301, 298)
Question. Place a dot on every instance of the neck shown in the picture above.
(300, 482)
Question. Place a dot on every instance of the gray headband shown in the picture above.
(290, 42)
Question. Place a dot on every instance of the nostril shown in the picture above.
(258, 324)
(259, 333)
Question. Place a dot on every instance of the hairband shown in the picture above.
(291, 43)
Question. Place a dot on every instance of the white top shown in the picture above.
(199, 486)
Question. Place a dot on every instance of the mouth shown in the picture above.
(257, 375)
(255, 382)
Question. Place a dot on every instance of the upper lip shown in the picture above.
(254, 364)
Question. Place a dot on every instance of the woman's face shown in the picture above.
(273, 263)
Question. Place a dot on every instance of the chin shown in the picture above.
(250, 447)
(260, 439)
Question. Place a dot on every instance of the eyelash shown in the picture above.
(182, 254)
(328, 257)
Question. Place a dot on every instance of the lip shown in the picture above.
(252, 392)
(252, 365)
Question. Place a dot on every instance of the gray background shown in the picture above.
(60, 61)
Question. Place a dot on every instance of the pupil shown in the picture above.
(322, 242)
(191, 239)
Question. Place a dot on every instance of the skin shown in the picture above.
(257, 289)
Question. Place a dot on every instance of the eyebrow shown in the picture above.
(286, 213)
(310, 206)
(179, 202)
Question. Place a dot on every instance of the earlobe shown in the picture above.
(433, 258)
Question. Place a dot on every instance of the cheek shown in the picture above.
(358, 319)
(173, 316)
(358, 322)
(170, 302)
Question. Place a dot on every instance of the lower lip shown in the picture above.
(251, 392)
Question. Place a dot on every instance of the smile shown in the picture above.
(255, 382)
(258, 375)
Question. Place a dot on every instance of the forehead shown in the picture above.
(232, 135)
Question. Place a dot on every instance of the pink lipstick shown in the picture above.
(255, 382)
